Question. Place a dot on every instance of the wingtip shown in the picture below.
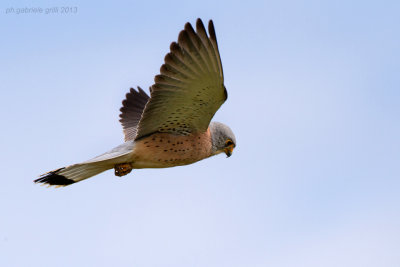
(188, 25)
(140, 90)
(174, 46)
(211, 30)
(200, 27)
(183, 36)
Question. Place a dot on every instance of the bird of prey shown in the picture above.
(173, 126)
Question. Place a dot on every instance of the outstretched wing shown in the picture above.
(190, 88)
(131, 111)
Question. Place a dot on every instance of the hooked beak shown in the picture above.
(228, 151)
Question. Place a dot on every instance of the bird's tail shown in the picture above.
(81, 171)
(71, 174)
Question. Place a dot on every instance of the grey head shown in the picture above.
(223, 139)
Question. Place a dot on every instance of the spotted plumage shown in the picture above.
(171, 127)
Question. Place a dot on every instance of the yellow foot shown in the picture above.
(122, 169)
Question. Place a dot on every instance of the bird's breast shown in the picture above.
(162, 150)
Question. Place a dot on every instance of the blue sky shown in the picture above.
(313, 100)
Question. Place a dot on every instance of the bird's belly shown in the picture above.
(149, 163)
(164, 150)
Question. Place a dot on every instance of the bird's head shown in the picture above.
(223, 139)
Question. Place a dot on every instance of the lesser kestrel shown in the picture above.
(171, 127)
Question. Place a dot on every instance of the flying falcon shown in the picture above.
(173, 126)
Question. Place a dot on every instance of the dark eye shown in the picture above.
(228, 143)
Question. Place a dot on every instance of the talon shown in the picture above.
(122, 169)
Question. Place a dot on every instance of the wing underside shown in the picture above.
(190, 87)
(131, 112)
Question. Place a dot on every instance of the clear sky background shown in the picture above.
(314, 93)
